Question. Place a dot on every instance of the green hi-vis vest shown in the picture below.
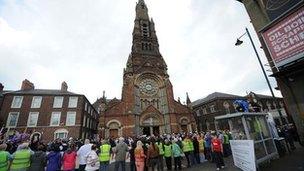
(160, 147)
(104, 152)
(191, 146)
(186, 146)
(168, 150)
(3, 160)
(21, 159)
(226, 139)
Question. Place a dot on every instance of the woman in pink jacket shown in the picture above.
(139, 156)
(68, 160)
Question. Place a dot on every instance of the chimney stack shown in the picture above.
(64, 86)
(27, 85)
(1, 87)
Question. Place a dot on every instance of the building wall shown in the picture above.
(292, 91)
(207, 116)
(44, 117)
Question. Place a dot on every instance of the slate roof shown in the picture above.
(215, 95)
(43, 92)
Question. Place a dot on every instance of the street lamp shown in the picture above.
(239, 42)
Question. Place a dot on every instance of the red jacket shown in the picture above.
(69, 160)
(216, 145)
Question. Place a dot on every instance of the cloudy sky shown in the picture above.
(86, 43)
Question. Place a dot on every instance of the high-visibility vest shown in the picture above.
(168, 150)
(104, 152)
(191, 145)
(3, 160)
(201, 145)
(226, 139)
(160, 147)
(21, 159)
(186, 146)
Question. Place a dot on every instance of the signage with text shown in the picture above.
(243, 154)
(285, 39)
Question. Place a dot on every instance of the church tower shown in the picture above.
(147, 105)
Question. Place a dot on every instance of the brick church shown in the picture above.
(147, 105)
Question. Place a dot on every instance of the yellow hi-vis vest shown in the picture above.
(186, 145)
(3, 160)
(191, 145)
(168, 150)
(21, 159)
(104, 152)
(160, 147)
(201, 145)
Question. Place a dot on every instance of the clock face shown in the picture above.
(148, 86)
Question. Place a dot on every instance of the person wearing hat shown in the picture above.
(21, 158)
(4, 158)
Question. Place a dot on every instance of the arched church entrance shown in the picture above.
(113, 129)
(150, 125)
(185, 125)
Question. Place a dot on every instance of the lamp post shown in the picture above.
(239, 42)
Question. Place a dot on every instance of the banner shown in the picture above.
(243, 154)
(285, 39)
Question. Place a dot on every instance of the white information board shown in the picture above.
(243, 154)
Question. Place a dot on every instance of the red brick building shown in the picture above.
(147, 105)
(48, 113)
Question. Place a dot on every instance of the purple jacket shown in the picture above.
(54, 161)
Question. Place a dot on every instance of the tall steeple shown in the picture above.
(145, 53)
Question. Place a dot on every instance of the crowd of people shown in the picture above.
(164, 152)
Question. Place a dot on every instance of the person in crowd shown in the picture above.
(168, 154)
(139, 156)
(21, 158)
(54, 158)
(207, 151)
(38, 159)
(82, 153)
(226, 146)
(132, 154)
(160, 146)
(196, 149)
(288, 137)
(177, 153)
(69, 159)
(120, 151)
(4, 157)
(201, 144)
(217, 150)
(92, 160)
(186, 149)
(153, 155)
(104, 155)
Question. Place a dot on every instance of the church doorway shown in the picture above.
(151, 130)
(150, 126)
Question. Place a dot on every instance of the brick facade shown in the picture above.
(147, 105)
(78, 130)
(217, 104)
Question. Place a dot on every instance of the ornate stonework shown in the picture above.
(147, 105)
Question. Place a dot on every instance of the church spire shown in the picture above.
(141, 10)
(145, 55)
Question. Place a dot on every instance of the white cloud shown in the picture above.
(86, 43)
